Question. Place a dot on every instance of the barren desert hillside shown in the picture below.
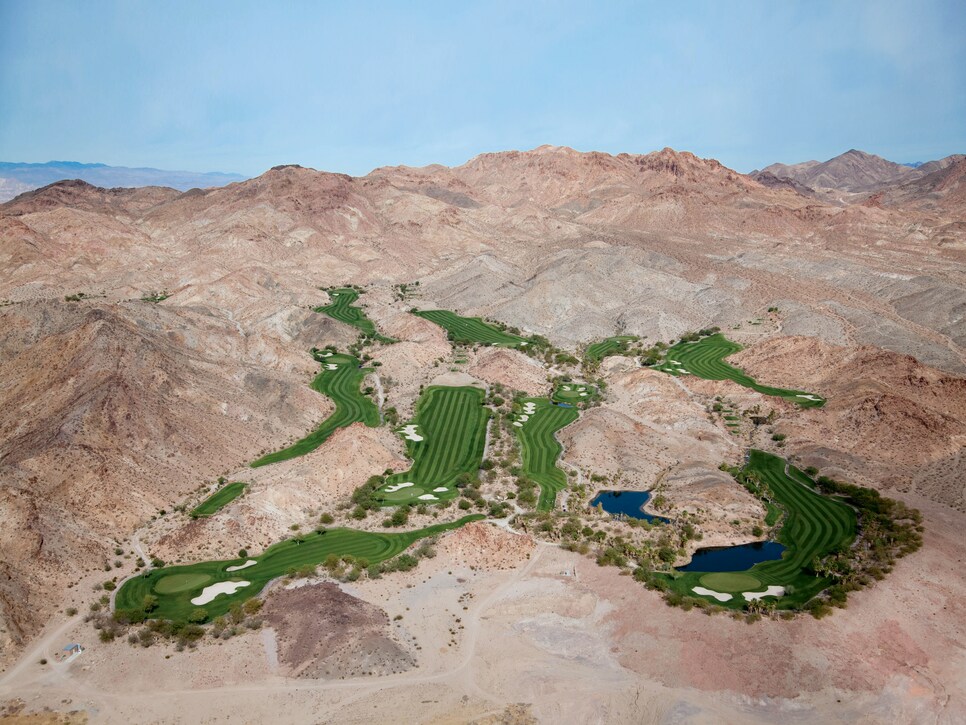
(152, 341)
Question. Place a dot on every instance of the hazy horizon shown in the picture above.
(904, 162)
(242, 87)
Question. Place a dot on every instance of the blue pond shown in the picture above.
(734, 558)
(628, 503)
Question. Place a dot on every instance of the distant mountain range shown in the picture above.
(16, 178)
(854, 171)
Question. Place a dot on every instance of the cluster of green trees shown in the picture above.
(317, 353)
(185, 633)
(703, 332)
(527, 491)
(618, 550)
(365, 498)
(155, 296)
(471, 496)
(402, 291)
(78, 296)
(348, 568)
(654, 355)
(888, 530)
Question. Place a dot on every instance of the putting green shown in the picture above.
(470, 330)
(574, 393)
(175, 583)
(726, 581)
(175, 586)
(340, 379)
(403, 495)
(452, 424)
(705, 359)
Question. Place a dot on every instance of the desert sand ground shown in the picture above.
(567, 640)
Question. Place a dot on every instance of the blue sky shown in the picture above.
(349, 86)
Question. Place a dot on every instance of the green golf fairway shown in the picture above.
(351, 406)
(607, 347)
(705, 359)
(341, 309)
(219, 499)
(452, 424)
(540, 447)
(470, 330)
(175, 586)
(814, 525)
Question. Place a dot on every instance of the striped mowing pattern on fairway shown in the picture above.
(452, 423)
(607, 347)
(471, 329)
(351, 406)
(814, 526)
(219, 499)
(277, 560)
(705, 359)
(541, 449)
(341, 309)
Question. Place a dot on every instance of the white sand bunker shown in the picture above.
(250, 562)
(772, 591)
(409, 432)
(518, 424)
(209, 593)
(581, 388)
(326, 354)
(566, 387)
(720, 596)
(682, 370)
(440, 489)
(523, 418)
(427, 497)
(530, 408)
(397, 486)
(583, 395)
(811, 397)
(524, 344)
(331, 366)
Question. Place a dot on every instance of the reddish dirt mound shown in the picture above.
(484, 546)
(511, 368)
(324, 632)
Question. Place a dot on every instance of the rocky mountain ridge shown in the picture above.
(113, 407)
(853, 171)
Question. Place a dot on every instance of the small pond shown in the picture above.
(734, 558)
(628, 503)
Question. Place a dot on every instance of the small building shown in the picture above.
(73, 649)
